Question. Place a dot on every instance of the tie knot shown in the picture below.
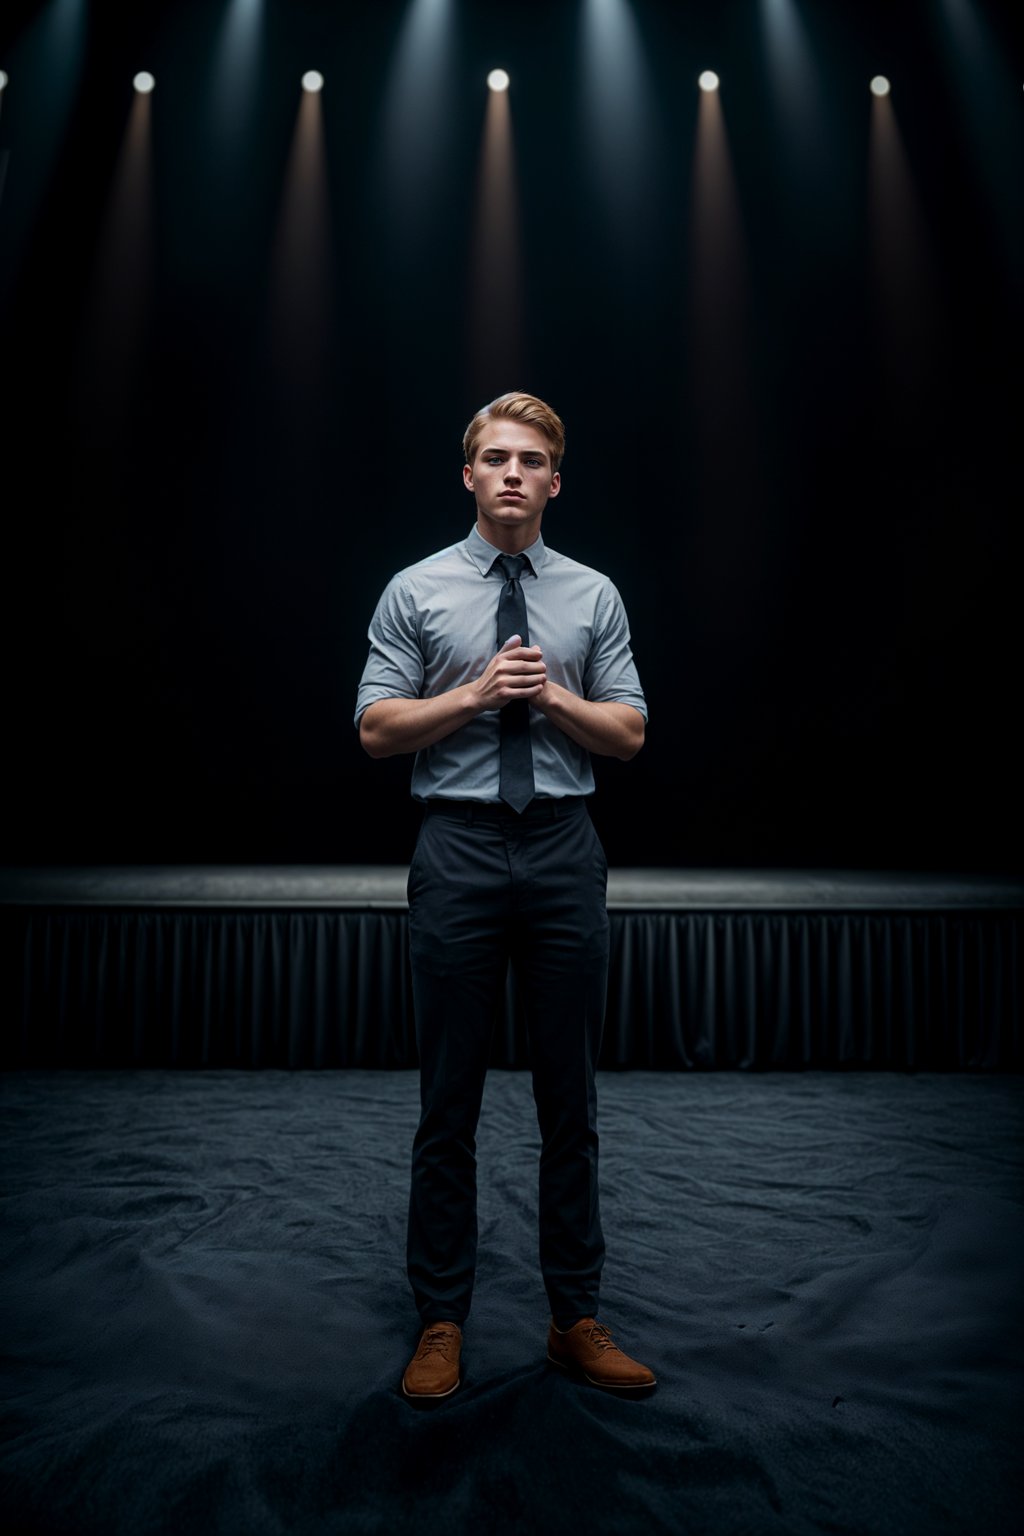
(512, 566)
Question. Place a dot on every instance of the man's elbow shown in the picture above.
(370, 737)
(635, 733)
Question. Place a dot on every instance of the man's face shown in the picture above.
(511, 475)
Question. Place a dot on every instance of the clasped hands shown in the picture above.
(518, 671)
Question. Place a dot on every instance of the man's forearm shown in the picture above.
(610, 730)
(391, 726)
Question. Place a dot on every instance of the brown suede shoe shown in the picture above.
(433, 1370)
(587, 1348)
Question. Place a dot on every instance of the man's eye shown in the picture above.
(492, 458)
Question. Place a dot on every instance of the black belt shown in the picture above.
(541, 808)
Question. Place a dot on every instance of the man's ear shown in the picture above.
(467, 476)
(556, 484)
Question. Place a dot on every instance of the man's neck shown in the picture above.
(511, 541)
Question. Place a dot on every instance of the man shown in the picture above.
(503, 666)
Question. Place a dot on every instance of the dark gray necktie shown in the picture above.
(515, 781)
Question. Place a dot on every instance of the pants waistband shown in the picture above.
(539, 809)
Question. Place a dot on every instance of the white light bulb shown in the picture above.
(880, 86)
(708, 81)
(312, 80)
(144, 82)
(498, 80)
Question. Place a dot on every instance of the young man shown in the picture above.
(503, 666)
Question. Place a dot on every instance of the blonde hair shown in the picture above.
(517, 406)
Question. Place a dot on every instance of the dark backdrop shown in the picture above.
(821, 583)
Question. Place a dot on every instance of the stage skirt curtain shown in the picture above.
(686, 990)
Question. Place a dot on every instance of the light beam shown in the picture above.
(496, 318)
(117, 303)
(234, 81)
(986, 86)
(301, 276)
(903, 278)
(617, 104)
(415, 136)
(46, 62)
(726, 448)
(796, 91)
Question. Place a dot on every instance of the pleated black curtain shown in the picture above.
(87, 988)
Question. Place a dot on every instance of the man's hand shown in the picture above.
(607, 728)
(518, 671)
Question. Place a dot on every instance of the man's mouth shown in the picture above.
(510, 496)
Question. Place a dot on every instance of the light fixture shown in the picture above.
(144, 82)
(880, 86)
(312, 80)
(708, 80)
(497, 80)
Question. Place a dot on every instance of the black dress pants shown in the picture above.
(486, 887)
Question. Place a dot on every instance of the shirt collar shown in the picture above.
(483, 554)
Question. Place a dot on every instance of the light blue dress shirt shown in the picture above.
(435, 628)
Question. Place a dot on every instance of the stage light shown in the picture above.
(312, 80)
(880, 86)
(708, 81)
(144, 82)
(3, 78)
(497, 80)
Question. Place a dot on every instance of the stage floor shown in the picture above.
(371, 887)
(206, 1315)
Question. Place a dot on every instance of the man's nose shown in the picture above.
(512, 471)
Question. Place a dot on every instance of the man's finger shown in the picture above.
(515, 643)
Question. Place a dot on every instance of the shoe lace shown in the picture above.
(599, 1335)
(435, 1339)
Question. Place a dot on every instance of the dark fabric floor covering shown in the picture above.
(206, 1315)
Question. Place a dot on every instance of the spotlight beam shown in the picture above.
(496, 314)
(233, 83)
(623, 146)
(119, 297)
(415, 136)
(904, 287)
(301, 316)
